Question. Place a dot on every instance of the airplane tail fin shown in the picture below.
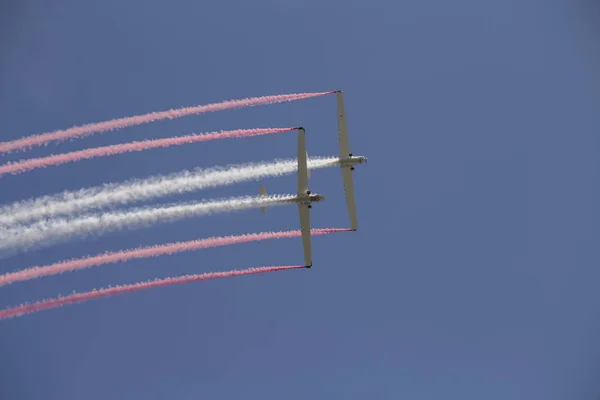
(263, 193)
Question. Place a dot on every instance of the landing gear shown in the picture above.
(351, 168)
(309, 206)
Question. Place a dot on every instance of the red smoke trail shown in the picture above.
(26, 165)
(146, 252)
(98, 293)
(83, 130)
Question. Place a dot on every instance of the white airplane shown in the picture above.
(304, 198)
(347, 160)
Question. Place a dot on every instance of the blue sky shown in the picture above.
(474, 272)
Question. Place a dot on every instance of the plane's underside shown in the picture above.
(305, 198)
(347, 160)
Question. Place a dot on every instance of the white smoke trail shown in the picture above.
(57, 230)
(110, 195)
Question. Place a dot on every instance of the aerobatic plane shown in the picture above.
(304, 198)
(347, 160)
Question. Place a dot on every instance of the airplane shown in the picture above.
(304, 198)
(347, 160)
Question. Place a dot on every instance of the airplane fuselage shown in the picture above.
(306, 199)
(351, 161)
(310, 198)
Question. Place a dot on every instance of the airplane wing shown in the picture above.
(305, 227)
(349, 190)
(307, 169)
(342, 126)
(302, 163)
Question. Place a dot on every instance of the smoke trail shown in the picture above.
(151, 251)
(151, 188)
(98, 293)
(79, 131)
(42, 162)
(53, 231)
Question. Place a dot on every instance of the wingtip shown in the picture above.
(300, 128)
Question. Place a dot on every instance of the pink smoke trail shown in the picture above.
(110, 291)
(152, 251)
(42, 162)
(83, 130)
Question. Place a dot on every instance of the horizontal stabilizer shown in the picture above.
(263, 193)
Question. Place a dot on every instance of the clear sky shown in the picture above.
(474, 274)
